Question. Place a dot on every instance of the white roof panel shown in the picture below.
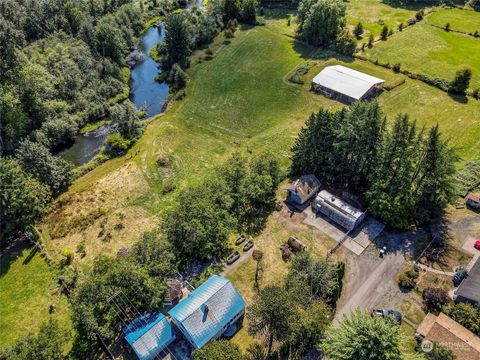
(346, 81)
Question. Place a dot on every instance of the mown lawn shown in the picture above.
(374, 14)
(25, 295)
(461, 20)
(431, 51)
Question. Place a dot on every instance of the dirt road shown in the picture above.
(371, 279)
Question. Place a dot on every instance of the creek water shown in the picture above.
(146, 93)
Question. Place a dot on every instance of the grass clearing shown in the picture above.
(467, 21)
(428, 50)
(374, 14)
(27, 285)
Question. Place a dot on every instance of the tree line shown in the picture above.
(237, 196)
(62, 65)
(404, 173)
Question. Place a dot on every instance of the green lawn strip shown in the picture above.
(428, 50)
(25, 298)
(91, 126)
(374, 14)
(467, 21)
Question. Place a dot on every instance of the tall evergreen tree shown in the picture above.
(177, 41)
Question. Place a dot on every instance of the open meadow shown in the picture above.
(27, 290)
(467, 21)
(431, 51)
(241, 100)
(375, 14)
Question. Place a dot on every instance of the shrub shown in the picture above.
(115, 144)
(419, 15)
(345, 43)
(371, 38)
(228, 34)
(435, 298)
(68, 256)
(358, 30)
(467, 315)
(407, 279)
(396, 67)
(384, 34)
(162, 77)
(400, 27)
(81, 249)
(447, 26)
(476, 93)
(411, 21)
(209, 51)
(461, 82)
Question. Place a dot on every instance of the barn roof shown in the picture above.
(341, 79)
(148, 335)
(208, 309)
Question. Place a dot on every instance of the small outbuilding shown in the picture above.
(209, 311)
(346, 84)
(303, 189)
(338, 210)
(469, 289)
(174, 292)
(295, 244)
(149, 335)
(473, 201)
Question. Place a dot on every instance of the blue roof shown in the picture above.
(148, 335)
(208, 309)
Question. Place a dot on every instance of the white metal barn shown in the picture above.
(345, 84)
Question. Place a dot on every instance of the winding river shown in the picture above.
(146, 93)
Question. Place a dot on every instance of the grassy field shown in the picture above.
(26, 285)
(240, 100)
(374, 14)
(431, 51)
(461, 20)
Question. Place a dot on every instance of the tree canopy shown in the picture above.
(363, 337)
(404, 174)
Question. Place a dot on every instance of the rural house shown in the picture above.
(469, 289)
(303, 189)
(445, 331)
(337, 210)
(346, 84)
(210, 311)
(149, 335)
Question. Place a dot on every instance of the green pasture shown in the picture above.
(467, 21)
(431, 51)
(374, 14)
(26, 293)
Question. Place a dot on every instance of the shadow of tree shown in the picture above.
(12, 252)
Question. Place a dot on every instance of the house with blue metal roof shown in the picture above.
(149, 335)
(209, 311)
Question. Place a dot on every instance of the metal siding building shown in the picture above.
(149, 335)
(345, 83)
(208, 311)
(337, 210)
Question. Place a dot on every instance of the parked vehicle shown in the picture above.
(477, 245)
(233, 257)
(248, 245)
(387, 313)
(240, 240)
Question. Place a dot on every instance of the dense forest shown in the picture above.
(404, 173)
(62, 65)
